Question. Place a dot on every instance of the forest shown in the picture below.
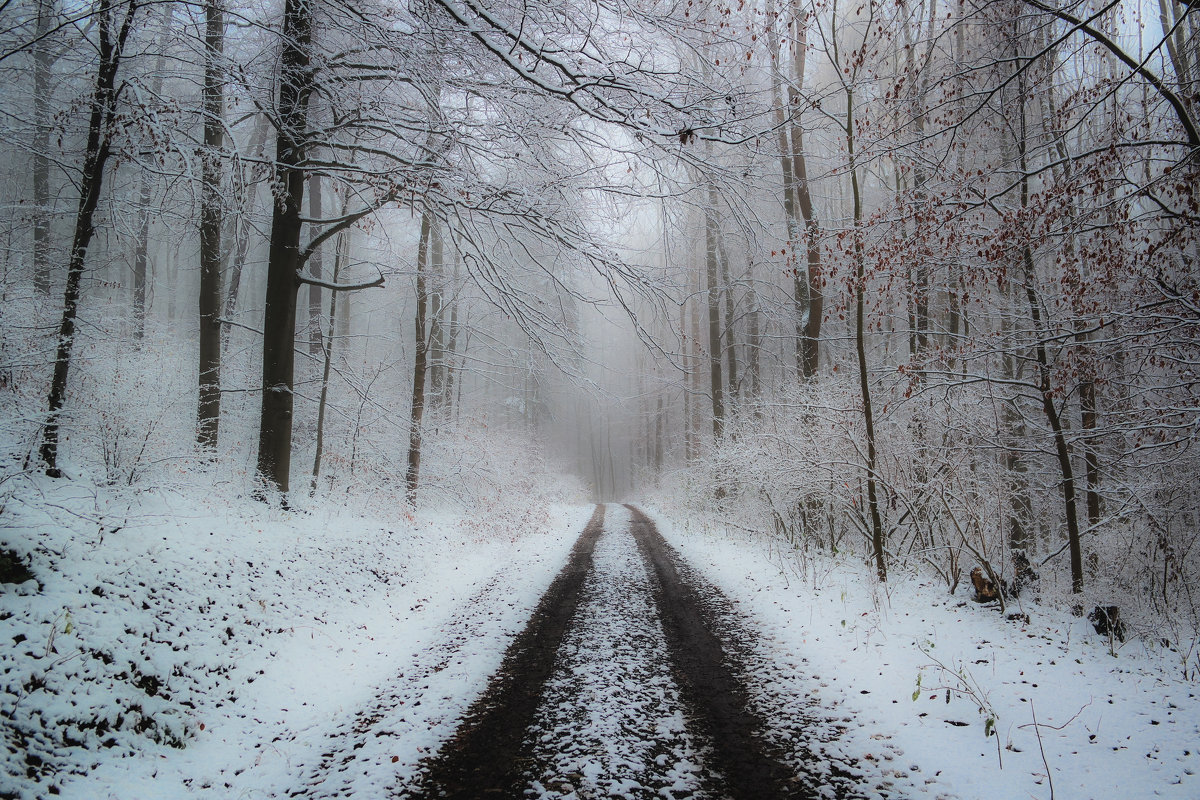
(912, 283)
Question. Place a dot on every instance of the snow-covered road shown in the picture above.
(633, 679)
(611, 722)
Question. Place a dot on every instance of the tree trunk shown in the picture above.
(660, 421)
(339, 256)
(141, 250)
(730, 342)
(102, 108)
(688, 342)
(452, 343)
(800, 298)
(419, 365)
(1045, 384)
(242, 236)
(316, 268)
(811, 336)
(208, 410)
(437, 330)
(1061, 449)
(1091, 416)
(753, 338)
(43, 63)
(877, 538)
(713, 290)
(283, 262)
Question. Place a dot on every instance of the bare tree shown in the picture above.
(114, 22)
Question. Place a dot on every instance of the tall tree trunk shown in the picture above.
(800, 298)
(339, 256)
(753, 340)
(452, 344)
(729, 339)
(102, 108)
(241, 246)
(208, 409)
(1020, 507)
(877, 537)
(141, 250)
(437, 328)
(1090, 418)
(1045, 384)
(1053, 417)
(660, 422)
(316, 267)
(686, 359)
(811, 335)
(43, 62)
(296, 82)
(419, 364)
(696, 374)
(713, 290)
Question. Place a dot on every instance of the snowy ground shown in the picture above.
(1124, 726)
(326, 652)
(255, 637)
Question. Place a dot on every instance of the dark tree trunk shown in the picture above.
(141, 260)
(283, 261)
(1054, 418)
(860, 345)
(102, 107)
(420, 365)
(211, 220)
(1091, 417)
(1045, 384)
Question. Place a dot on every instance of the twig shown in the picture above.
(1056, 727)
(1037, 729)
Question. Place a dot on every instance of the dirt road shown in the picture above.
(630, 680)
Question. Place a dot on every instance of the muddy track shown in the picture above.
(712, 685)
(519, 738)
(487, 757)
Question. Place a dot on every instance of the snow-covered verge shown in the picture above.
(914, 675)
(189, 640)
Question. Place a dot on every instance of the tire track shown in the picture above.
(611, 721)
(488, 756)
(634, 678)
(749, 766)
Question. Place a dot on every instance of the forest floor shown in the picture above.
(176, 646)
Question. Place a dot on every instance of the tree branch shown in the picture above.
(1189, 125)
(339, 287)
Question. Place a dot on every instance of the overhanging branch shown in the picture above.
(1189, 125)
(339, 287)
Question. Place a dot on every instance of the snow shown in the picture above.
(326, 651)
(1119, 722)
(249, 635)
